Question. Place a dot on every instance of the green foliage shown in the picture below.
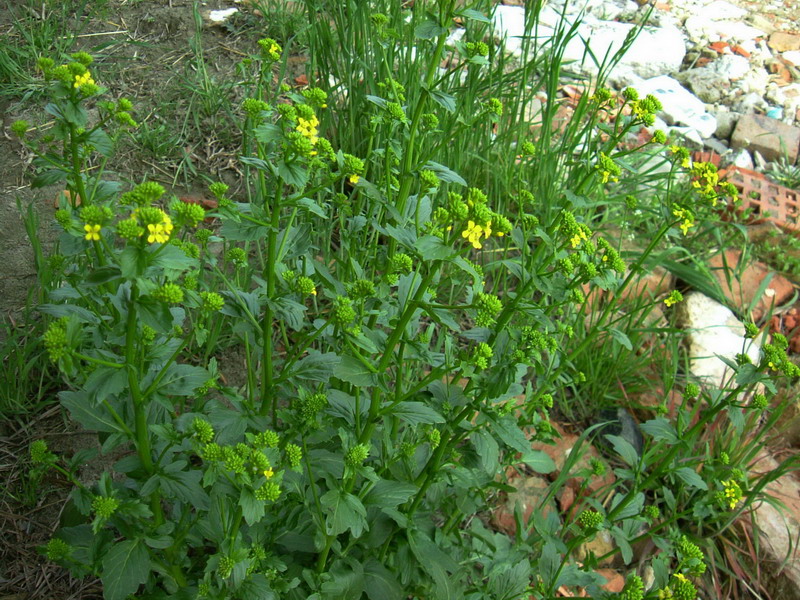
(395, 289)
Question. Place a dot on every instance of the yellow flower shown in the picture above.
(158, 233)
(473, 233)
(268, 473)
(80, 80)
(92, 232)
(354, 179)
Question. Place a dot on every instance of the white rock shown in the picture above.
(700, 27)
(220, 16)
(754, 82)
(719, 10)
(731, 66)
(655, 51)
(793, 56)
(508, 23)
(712, 330)
(742, 159)
(750, 102)
(779, 529)
(680, 105)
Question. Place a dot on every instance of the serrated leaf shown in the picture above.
(317, 366)
(381, 584)
(446, 101)
(474, 15)
(182, 380)
(105, 382)
(539, 461)
(125, 567)
(691, 478)
(346, 581)
(101, 142)
(621, 338)
(415, 413)
(509, 583)
(660, 429)
(389, 494)
(293, 173)
(49, 177)
(431, 247)
(68, 310)
(435, 562)
(511, 435)
(253, 509)
(428, 30)
(444, 173)
(345, 511)
(92, 417)
(352, 370)
(625, 449)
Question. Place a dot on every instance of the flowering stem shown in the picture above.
(267, 395)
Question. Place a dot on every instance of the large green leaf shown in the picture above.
(252, 508)
(389, 494)
(345, 511)
(125, 567)
(352, 370)
(381, 584)
(83, 410)
(416, 413)
(182, 380)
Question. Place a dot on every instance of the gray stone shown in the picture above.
(712, 331)
(705, 27)
(770, 137)
(716, 145)
(726, 121)
(750, 103)
(707, 84)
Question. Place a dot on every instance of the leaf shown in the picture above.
(345, 511)
(346, 581)
(487, 449)
(317, 366)
(173, 261)
(105, 382)
(256, 587)
(660, 429)
(509, 583)
(293, 173)
(431, 247)
(252, 508)
(185, 486)
(182, 380)
(691, 478)
(625, 449)
(125, 567)
(243, 231)
(474, 15)
(377, 100)
(68, 310)
(264, 133)
(509, 432)
(539, 461)
(49, 177)
(291, 312)
(352, 370)
(92, 417)
(621, 338)
(389, 494)
(633, 508)
(622, 543)
(428, 30)
(415, 413)
(446, 101)
(312, 207)
(445, 174)
(101, 142)
(435, 562)
(102, 275)
(381, 584)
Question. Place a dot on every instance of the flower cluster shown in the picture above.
(590, 520)
(634, 588)
(730, 495)
(774, 354)
(55, 340)
(356, 455)
(487, 307)
(674, 298)
(608, 169)
(270, 49)
(691, 557)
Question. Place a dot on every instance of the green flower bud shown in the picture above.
(202, 430)
(57, 549)
(39, 452)
(356, 455)
(169, 293)
(104, 506)
(590, 519)
(212, 302)
(294, 455)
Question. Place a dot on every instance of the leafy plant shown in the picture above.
(408, 315)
